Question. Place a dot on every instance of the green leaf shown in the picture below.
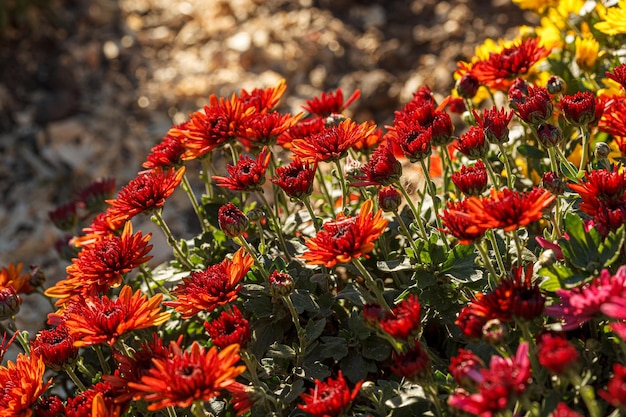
(569, 170)
(375, 348)
(352, 293)
(609, 250)
(401, 264)
(424, 278)
(304, 301)
(531, 152)
(279, 351)
(314, 329)
(333, 347)
(356, 368)
(293, 391)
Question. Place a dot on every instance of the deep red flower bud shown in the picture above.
(618, 74)
(93, 197)
(414, 140)
(556, 353)
(471, 180)
(56, 347)
(441, 129)
(494, 332)
(537, 108)
(9, 303)
(296, 179)
(556, 85)
(64, 217)
(232, 221)
(281, 284)
(228, 329)
(413, 365)
(465, 368)
(372, 313)
(472, 143)
(389, 199)
(495, 124)
(581, 109)
(518, 92)
(37, 276)
(549, 135)
(403, 321)
(51, 406)
(467, 85)
(248, 174)
(382, 169)
(551, 182)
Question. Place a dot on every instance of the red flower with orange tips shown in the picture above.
(618, 74)
(332, 143)
(228, 329)
(220, 122)
(613, 121)
(264, 128)
(331, 398)
(330, 102)
(296, 179)
(188, 376)
(92, 321)
(146, 192)
(248, 174)
(167, 153)
(472, 143)
(494, 123)
(102, 226)
(21, 384)
(500, 69)
(460, 223)
(581, 109)
(366, 143)
(12, 275)
(413, 138)
(471, 181)
(509, 210)
(97, 401)
(303, 129)
(215, 286)
(263, 100)
(55, 346)
(346, 237)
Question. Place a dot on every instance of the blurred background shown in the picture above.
(88, 87)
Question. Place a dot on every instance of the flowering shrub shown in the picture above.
(494, 286)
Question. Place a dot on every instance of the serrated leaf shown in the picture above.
(356, 368)
(304, 301)
(314, 329)
(333, 347)
(395, 265)
(375, 348)
(353, 294)
(315, 370)
(294, 391)
(280, 351)
(609, 250)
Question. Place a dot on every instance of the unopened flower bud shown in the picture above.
(281, 284)
(549, 135)
(37, 276)
(602, 151)
(255, 215)
(368, 388)
(556, 85)
(547, 258)
(64, 217)
(551, 182)
(232, 221)
(494, 332)
(9, 303)
(389, 199)
(467, 85)
(372, 313)
(334, 119)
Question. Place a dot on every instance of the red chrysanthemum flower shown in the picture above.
(240, 395)
(467, 86)
(601, 186)
(167, 153)
(228, 329)
(403, 321)
(366, 143)
(248, 174)
(21, 384)
(413, 364)
(188, 376)
(331, 398)
(296, 179)
(389, 199)
(582, 108)
(93, 321)
(556, 353)
(93, 196)
(535, 107)
(465, 368)
(103, 225)
(215, 286)
(460, 223)
(329, 103)
(346, 237)
(262, 129)
(332, 143)
(473, 318)
(65, 216)
(232, 221)
(263, 100)
(12, 276)
(50, 406)
(549, 135)
(510, 210)
(303, 129)
(55, 346)
(382, 169)
(97, 401)
(613, 121)
(471, 181)
(146, 192)
(103, 264)
(219, 122)
(500, 69)
(606, 294)
(472, 143)
(10, 302)
(495, 124)
(615, 393)
(618, 74)
(412, 137)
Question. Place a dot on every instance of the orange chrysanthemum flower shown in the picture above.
(215, 286)
(21, 384)
(103, 225)
(346, 237)
(332, 142)
(264, 128)
(12, 275)
(101, 320)
(146, 192)
(500, 69)
(103, 264)
(187, 376)
(263, 100)
(460, 223)
(509, 210)
(206, 130)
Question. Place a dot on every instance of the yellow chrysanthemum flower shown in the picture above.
(587, 50)
(614, 19)
(536, 5)
(613, 88)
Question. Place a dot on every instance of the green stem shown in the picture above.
(170, 411)
(507, 166)
(295, 317)
(198, 410)
(307, 203)
(492, 176)
(103, 363)
(243, 242)
(160, 221)
(206, 167)
(344, 186)
(406, 233)
(518, 247)
(329, 198)
(276, 223)
(588, 396)
(251, 364)
(69, 370)
(194, 202)
(430, 186)
(494, 244)
(585, 154)
(371, 283)
(483, 253)
(416, 214)
(149, 278)
(431, 392)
